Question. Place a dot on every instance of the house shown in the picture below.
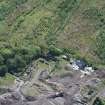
(79, 64)
(82, 66)
(89, 69)
(75, 67)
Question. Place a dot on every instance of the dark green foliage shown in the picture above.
(16, 59)
(7, 53)
(11, 64)
(55, 51)
(68, 51)
(20, 63)
(34, 52)
(3, 70)
(99, 101)
(15, 63)
(1, 60)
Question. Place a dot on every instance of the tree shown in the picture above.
(55, 51)
(11, 64)
(3, 70)
(1, 60)
(15, 64)
(99, 101)
(6, 53)
(19, 61)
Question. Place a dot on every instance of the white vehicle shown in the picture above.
(75, 67)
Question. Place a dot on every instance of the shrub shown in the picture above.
(68, 51)
(11, 64)
(55, 51)
(6, 53)
(15, 63)
(35, 51)
(99, 101)
(3, 70)
(1, 60)
(19, 61)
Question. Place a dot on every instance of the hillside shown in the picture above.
(52, 52)
(28, 27)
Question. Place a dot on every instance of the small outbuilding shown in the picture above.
(80, 64)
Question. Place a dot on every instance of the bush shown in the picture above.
(27, 58)
(28, 53)
(3, 70)
(34, 52)
(6, 53)
(1, 60)
(15, 63)
(19, 61)
(68, 51)
(11, 64)
(55, 51)
(99, 101)
(22, 51)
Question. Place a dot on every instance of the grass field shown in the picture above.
(8, 80)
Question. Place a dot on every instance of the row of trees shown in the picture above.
(14, 60)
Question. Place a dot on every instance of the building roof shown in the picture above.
(80, 63)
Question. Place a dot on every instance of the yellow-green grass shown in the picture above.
(7, 80)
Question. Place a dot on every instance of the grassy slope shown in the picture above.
(45, 22)
(8, 80)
